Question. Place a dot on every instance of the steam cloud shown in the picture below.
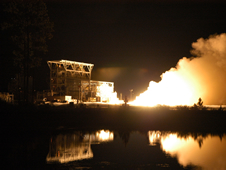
(208, 69)
(204, 73)
(107, 74)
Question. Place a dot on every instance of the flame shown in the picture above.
(107, 94)
(105, 91)
(173, 90)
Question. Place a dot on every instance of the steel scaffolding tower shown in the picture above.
(66, 77)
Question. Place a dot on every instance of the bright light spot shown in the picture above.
(104, 135)
(154, 137)
(209, 155)
(105, 91)
(114, 99)
(68, 98)
(172, 90)
(172, 143)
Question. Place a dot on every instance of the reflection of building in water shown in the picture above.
(154, 137)
(65, 148)
(77, 146)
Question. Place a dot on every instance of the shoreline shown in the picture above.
(50, 118)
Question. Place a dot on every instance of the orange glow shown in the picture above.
(104, 135)
(172, 143)
(105, 91)
(114, 99)
(154, 137)
(173, 89)
(201, 76)
(107, 94)
(211, 155)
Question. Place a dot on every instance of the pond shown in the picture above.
(106, 149)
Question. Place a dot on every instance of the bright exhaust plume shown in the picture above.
(203, 75)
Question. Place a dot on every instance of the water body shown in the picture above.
(106, 149)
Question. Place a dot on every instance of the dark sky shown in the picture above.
(129, 43)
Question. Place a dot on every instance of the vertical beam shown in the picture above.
(90, 91)
(51, 77)
(65, 82)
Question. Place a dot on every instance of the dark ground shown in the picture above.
(47, 117)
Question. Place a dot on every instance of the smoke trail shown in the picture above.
(203, 75)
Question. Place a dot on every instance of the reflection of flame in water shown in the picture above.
(104, 135)
(71, 147)
(192, 78)
(173, 143)
(154, 137)
(209, 154)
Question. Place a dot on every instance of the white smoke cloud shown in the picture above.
(209, 68)
(203, 75)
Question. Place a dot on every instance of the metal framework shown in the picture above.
(66, 76)
(74, 79)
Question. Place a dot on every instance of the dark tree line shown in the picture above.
(29, 26)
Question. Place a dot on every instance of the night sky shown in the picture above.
(130, 43)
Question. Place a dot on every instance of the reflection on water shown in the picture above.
(207, 152)
(154, 137)
(104, 136)
(133, 149)
(76, 146)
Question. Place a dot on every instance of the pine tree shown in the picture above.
(30, 27)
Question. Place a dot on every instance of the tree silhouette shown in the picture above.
(29, 26)
(200, 103)
(124, 135)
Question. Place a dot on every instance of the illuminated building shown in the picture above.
(71, 78)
